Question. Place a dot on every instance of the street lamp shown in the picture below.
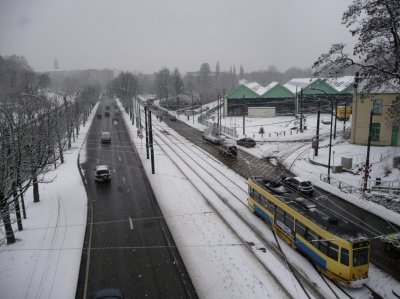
(330, 134)
(218, 108)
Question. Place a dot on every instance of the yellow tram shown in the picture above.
(338, 250)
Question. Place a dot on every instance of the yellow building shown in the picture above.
(383, 131)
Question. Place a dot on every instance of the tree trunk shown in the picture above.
(69, 138)
(23, 204)
(5, 215)
(60, 149)
(35, 190)
(17, 208)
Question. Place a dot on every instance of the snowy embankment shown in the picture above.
(45, 260)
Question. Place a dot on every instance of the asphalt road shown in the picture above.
(248, 165)
(139, 255)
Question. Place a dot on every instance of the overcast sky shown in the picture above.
(148, 34)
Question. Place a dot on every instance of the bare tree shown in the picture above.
(177, 82)
(376, 23)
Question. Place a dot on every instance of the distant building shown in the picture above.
(299, 95)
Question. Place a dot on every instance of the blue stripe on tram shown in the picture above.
(311, 253)
(262, 213)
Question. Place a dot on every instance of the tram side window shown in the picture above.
(256, 196)
(360, 257)
(312, 237)
(263, 200)
(289, 221)
(251, 192)
(271, 206)
(280, 214)
(344, 256)
(300, 228)
(323, 247)
(333, 251)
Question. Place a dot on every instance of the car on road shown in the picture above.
(300, 185)
(392, 242)
(107, 113)
(102, 173)
(98, 115)
(246, 142)
(228, 150)
(172, 118)
(105, 137)
(108, 293)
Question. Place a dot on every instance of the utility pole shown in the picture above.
(318, 121)
(330, 144)
(345, 117)
(301, 110)
(147, 132)
(367, 166)
(244, 112)
(219, 129)
(334, 133)
(151, 144)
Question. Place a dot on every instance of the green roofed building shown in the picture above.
(254, 95)
(299, 95)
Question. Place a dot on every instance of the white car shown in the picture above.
(105, 137)
(102, 173)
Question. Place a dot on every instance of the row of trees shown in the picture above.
(36, 126)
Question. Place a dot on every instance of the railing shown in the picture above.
(347, 188)
(376, 184)
(226, 130)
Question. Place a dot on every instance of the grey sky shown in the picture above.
(146, 35)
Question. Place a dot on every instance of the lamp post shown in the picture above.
(330, 134)
(218, 108)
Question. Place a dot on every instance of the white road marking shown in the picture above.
(130, 223)
(119, 158)
(123, 178)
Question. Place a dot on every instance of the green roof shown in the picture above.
(241, 91)
(319, 84)
(278, 91)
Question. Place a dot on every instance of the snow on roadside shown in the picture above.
(45, 260)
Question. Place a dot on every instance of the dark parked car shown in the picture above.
(172, 118)
(107, 294)
(107, 113)
(246, 142)
(300, 185)
(102, 173)
(228, 150)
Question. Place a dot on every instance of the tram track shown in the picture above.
(166, 139)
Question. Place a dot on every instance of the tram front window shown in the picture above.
(360, 257)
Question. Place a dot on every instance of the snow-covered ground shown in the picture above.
(44, 263)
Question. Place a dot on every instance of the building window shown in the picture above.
(375, 131)
(377, 109)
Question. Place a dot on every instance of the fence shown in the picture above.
(376, 184)
(225, 130)
(347, 188)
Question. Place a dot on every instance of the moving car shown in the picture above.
(102, 173)
(246, 142)
(212, 139)
(172, 118)
(228, 150)
(105, 137)
(107, 294)
(299, 184)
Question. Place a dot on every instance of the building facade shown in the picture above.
(383, 131)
